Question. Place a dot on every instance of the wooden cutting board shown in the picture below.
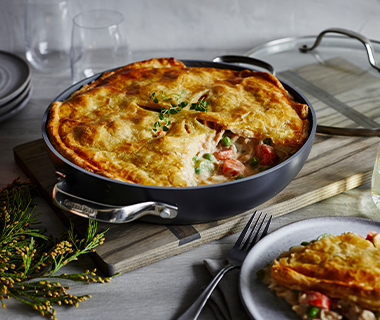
(335, 164)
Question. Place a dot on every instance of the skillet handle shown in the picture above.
(107, 213)
(247, 60)
(364, 40)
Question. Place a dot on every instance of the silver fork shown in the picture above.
(235, 259)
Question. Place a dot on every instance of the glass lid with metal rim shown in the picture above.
(336, 72)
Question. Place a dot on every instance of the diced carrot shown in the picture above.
(371, 235)
(318, 299)
(266, 154)
(232, 167)
(224, 154)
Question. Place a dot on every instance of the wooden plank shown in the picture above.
(332, 168)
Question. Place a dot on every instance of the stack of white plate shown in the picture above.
(15, 84)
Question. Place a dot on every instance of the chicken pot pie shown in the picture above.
(331, 278)
(158, 122)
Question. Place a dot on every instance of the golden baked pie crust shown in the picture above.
(106, 126)
(345, 266)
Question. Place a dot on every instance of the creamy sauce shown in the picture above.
(221, 163)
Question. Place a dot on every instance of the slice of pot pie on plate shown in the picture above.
(331, 278)
(158, 122)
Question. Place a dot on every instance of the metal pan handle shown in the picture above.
(247, 60)
(366, 42)
(107, 213)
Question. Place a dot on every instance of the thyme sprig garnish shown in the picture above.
(165, 113)
(200, 105)
(174, 107)
(29, 260)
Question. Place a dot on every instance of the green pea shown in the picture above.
(203, 165)
(260, 274)
(226, 141)
(312, 312)
(208, 165)
(254, 162)
(209, 156)
(267, 141)
(197, 163)
(198, 170)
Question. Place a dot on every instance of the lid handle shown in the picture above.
(247, 60)
(366, 42)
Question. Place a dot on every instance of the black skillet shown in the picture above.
(96, 197)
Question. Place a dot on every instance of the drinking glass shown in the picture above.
(98, 43)
(375, 187)
(47, 34)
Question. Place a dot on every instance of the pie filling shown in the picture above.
(158, 122)
(233, 158)
(328, 280)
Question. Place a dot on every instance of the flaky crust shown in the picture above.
(106, 126)
(345, 267)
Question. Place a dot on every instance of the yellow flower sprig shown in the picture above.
(29, 260)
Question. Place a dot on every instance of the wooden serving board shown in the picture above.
(335, 164)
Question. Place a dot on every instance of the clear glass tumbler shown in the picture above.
(47, 34)
(98, 43)
(375, 183)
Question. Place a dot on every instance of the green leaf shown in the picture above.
(166, 112)
(201, 105)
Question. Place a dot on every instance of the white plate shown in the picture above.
(262, 303)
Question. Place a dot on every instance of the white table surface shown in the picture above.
(164, 289)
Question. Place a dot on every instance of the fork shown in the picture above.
(235, 259)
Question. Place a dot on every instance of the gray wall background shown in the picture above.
(211, 24)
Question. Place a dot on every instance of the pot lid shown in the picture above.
(337, 73)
